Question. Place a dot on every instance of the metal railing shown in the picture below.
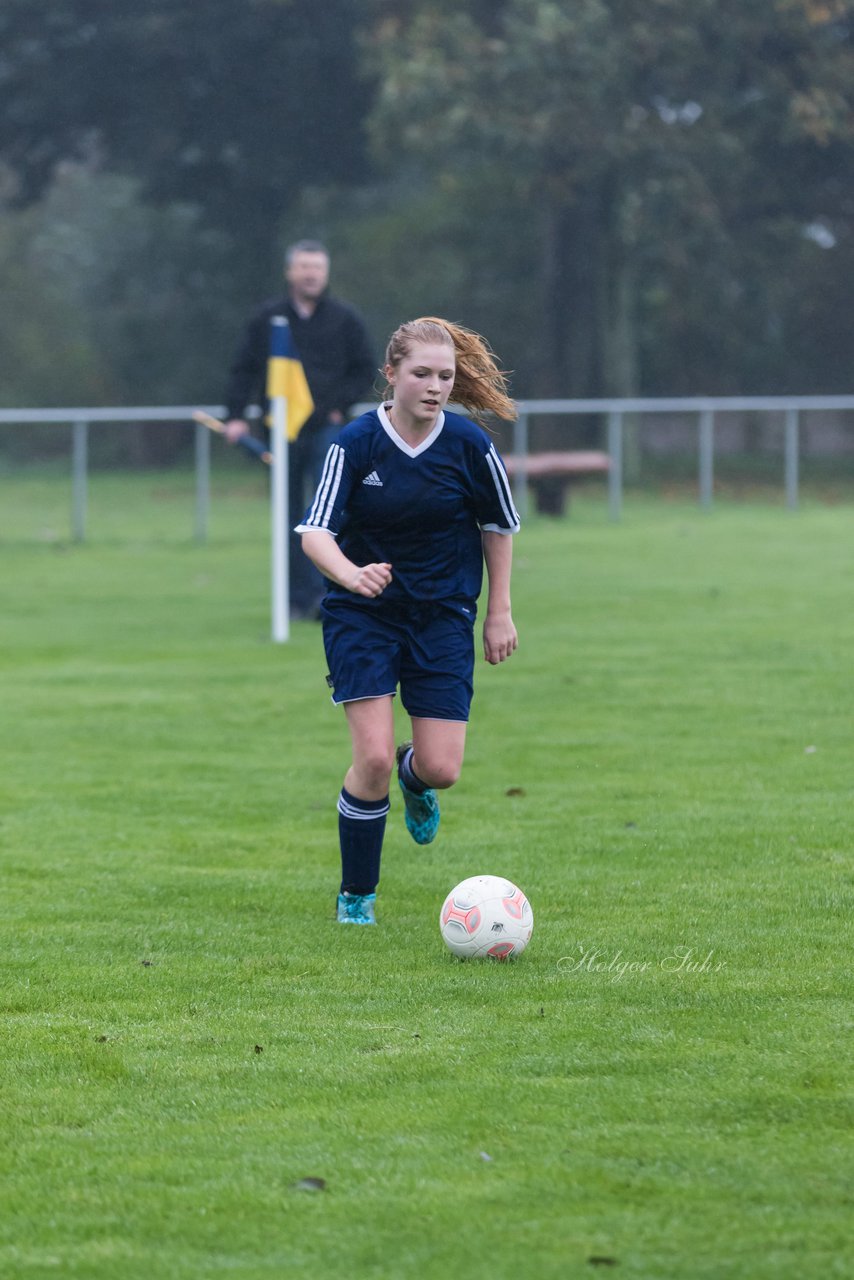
(613, 411)
(81, 419)
(704, 408)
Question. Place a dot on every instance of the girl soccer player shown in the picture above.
(413, 499)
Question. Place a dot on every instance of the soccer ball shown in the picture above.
(486, 916)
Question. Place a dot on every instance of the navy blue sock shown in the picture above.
(409, 777)
(361, 827)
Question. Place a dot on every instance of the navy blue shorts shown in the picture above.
(427, 650)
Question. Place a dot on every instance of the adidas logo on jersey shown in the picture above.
(373, 478)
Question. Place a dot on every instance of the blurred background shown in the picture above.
(627, 198)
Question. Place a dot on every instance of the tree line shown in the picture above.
(626, 197)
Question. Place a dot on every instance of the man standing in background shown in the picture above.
(338, 359)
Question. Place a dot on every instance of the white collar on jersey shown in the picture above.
(413, 451)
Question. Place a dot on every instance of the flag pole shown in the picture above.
(279, 492)
(279, 507)
(291, 406)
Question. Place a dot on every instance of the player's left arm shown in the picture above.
(499, 632)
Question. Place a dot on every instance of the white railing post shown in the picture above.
(707, 456)
(203, 481)
(79, 478)
(792, 449)
(615, 467)
(519, 482)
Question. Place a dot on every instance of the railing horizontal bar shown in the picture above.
(721, 404)
(157, 413)
(679, 404)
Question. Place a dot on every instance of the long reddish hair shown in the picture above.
(479, 385)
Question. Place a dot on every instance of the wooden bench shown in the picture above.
(550, 474)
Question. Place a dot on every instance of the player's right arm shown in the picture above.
(363, 580)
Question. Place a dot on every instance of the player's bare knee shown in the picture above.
(439, 775)
(375, 766)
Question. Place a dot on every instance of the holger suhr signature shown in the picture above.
(681, 961)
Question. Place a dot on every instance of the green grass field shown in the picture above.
(659, 1088)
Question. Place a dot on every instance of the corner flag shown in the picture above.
(286, 377)
(290, 405)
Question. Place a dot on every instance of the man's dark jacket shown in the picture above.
(333, 346)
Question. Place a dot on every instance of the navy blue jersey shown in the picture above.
(419, 508)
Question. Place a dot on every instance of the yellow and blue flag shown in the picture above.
(286, 376)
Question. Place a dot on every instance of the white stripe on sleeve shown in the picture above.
(327, 490)
(502, 487)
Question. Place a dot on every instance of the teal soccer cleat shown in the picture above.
(356, 908)
(422, 808)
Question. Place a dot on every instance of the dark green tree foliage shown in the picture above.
(148, 152)
(666, 158)
(108, 300)
(229, 106)
(625, 195)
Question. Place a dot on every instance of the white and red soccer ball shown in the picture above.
(486, 916)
